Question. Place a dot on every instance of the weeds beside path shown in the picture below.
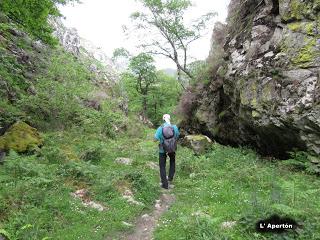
(219, 195)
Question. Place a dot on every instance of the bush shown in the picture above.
(302, 161)
(188, 103)
(92, 152)
(83, 172)
(33, 16)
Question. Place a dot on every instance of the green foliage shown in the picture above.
(33, 16)
(162, 96)
(171, 37)
(236, 185)
(36, 202)
(9, 113)
(306, 54)
(303, 161)
(93, 152)
(200, 71)
(4, 233)
(143, 72)
(120, 52)
(12, 71)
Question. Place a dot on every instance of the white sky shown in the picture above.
(101, 21)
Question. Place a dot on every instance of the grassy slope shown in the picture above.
(227, 184)
(231, 184)
(78, 152)
(36, 201)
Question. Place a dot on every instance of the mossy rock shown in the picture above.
(306, 54)
(198, 143)
(20, 137)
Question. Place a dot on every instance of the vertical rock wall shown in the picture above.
(266, 92)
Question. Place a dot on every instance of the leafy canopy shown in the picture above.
(33, 15)
(170, 36)
(143, 69)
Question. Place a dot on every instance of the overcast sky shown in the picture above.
(101, 21)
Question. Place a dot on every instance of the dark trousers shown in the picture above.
(162, 164)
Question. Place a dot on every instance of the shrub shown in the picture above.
(187, 103)
(92, 152)
(84, 172)
(303, 161)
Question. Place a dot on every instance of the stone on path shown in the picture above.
(124, 161)
(228, 224)
(128, 195)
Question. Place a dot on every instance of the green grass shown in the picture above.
(231, 184)
(79, 150)
(226, 184)
(36, 201)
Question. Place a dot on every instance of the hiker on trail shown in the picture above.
(167, 135)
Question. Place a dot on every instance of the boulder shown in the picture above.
(198, 143)
(20, 137)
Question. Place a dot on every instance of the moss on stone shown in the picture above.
(197, 137)
(254, 102)
(267, 92)
(306, 27)
(306, 54)
(310, 28)
(299, 10)
(295, 26)
(20, 137)
(316, 5)
(255, 114)
(199, 143)
(296, 8)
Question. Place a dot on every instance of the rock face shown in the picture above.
(265, 92)
(20, 137)
(101, 64)
(198, 143)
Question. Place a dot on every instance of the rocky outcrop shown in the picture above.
(100, 63)
(265, 91)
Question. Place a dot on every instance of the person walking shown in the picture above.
(167, 135)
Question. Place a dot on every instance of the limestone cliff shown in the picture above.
(82, 48)
(264, 89)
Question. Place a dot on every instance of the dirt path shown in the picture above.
(146, 223)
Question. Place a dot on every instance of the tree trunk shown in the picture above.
(179, 77)
(144, 102)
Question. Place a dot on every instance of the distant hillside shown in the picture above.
(170, 71)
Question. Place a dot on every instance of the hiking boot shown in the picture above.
(170, 179)
(165, 186)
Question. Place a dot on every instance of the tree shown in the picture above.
(33, 15)
(173, 37)
(120, 52)
(144, 72)
(163, 97)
